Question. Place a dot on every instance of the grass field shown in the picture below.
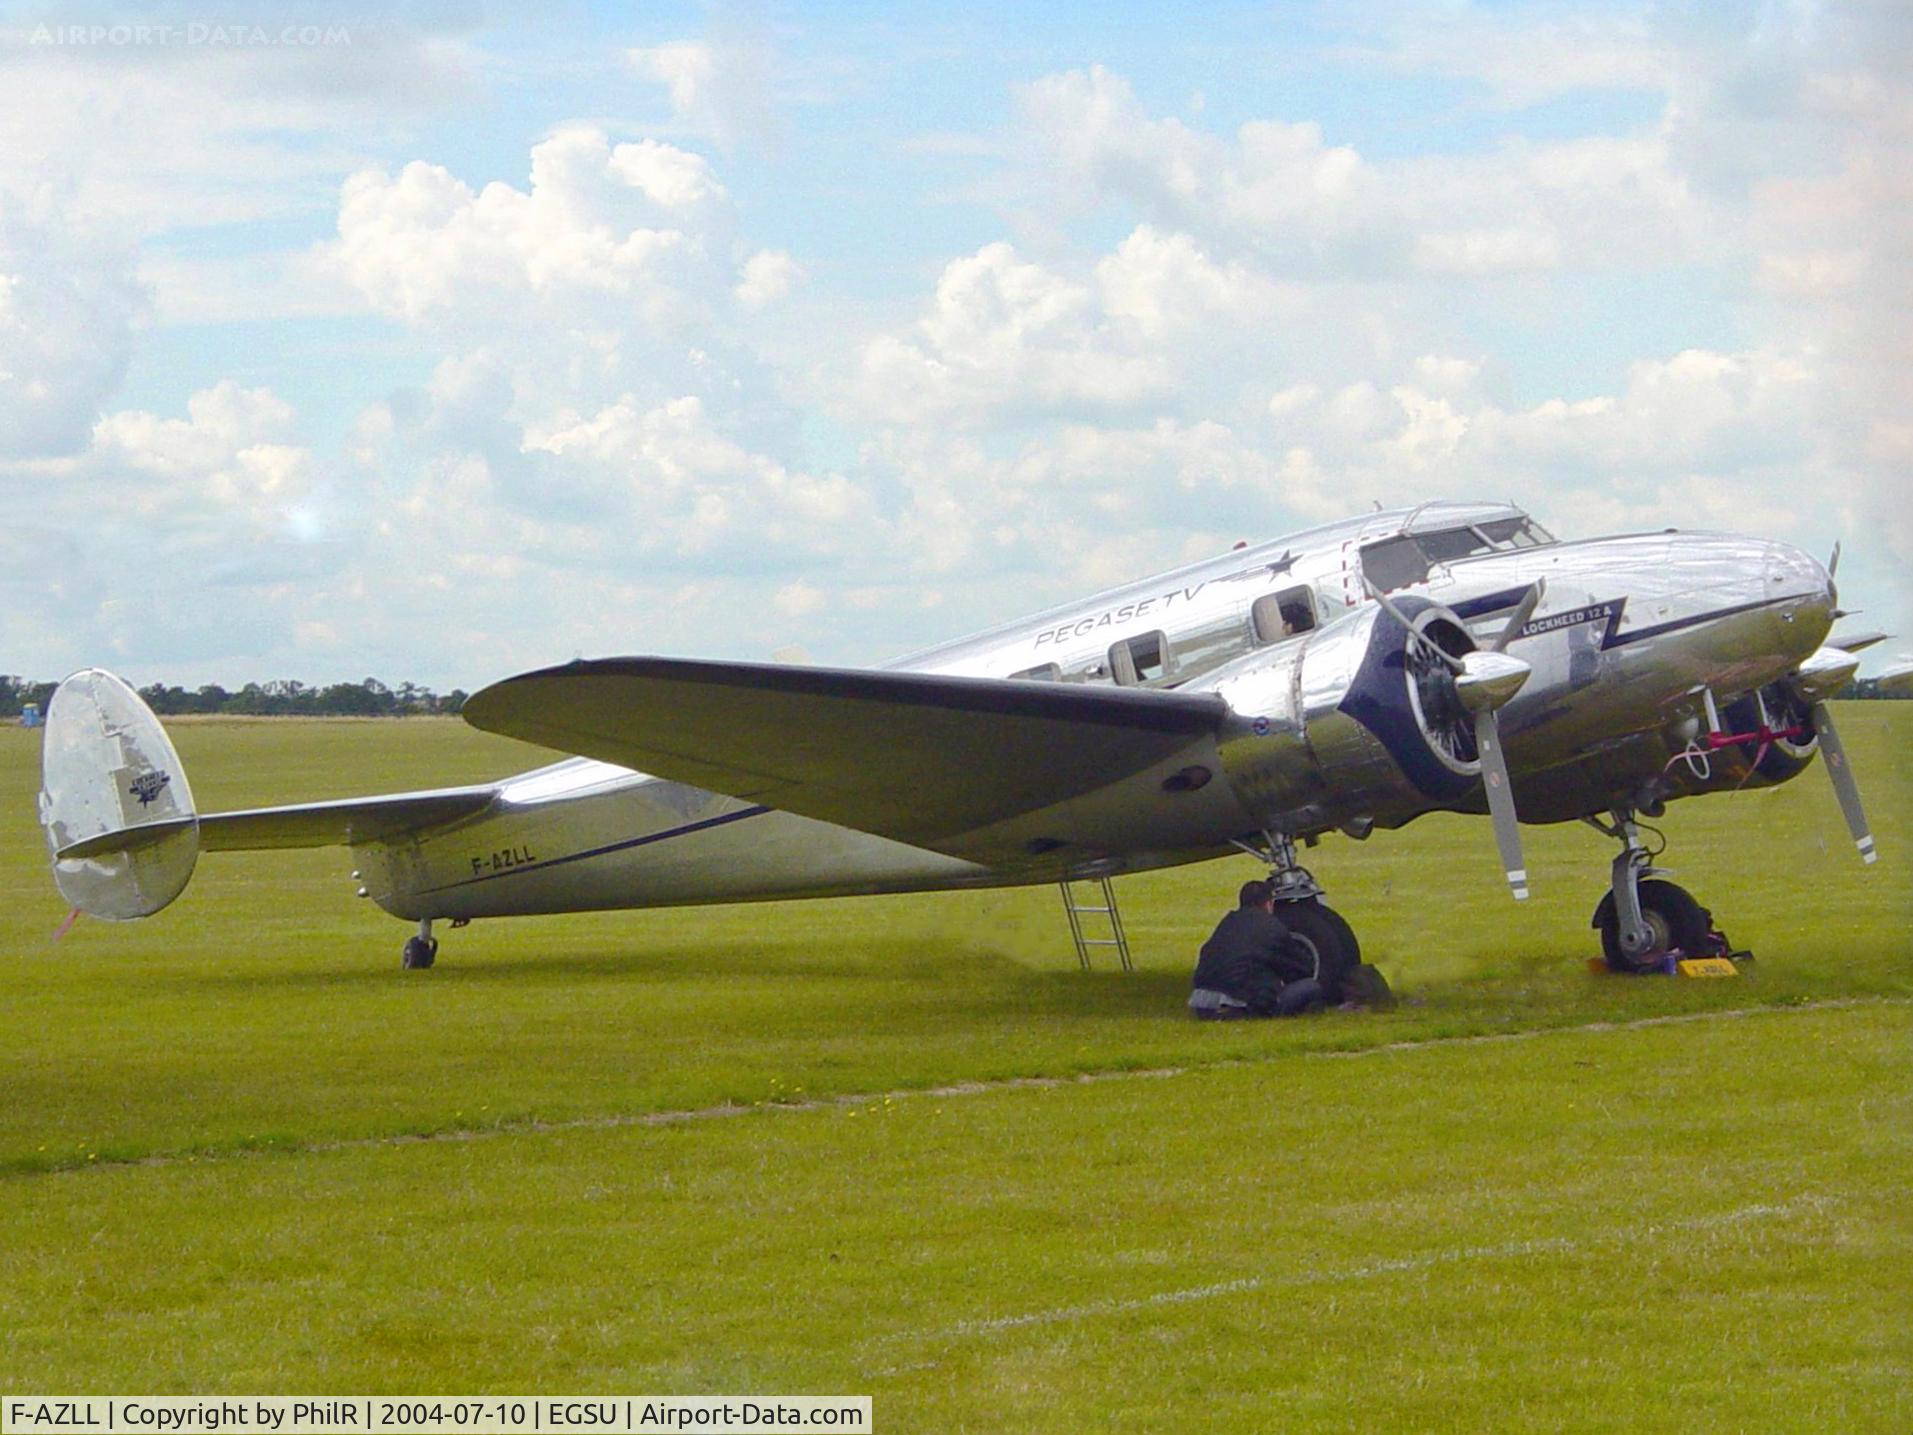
(902, 1147)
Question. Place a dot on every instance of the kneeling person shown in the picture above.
(1249, 967)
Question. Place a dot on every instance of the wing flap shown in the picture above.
(920, 757)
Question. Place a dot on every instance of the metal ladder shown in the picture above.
(1078, 911)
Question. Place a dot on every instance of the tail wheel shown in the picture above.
(419, 953)
(1675, 920)
(1327, 941)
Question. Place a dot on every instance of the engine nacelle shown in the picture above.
(1351, 724)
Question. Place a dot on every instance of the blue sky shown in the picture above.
(435, 342)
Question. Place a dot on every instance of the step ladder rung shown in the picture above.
(1076, 912)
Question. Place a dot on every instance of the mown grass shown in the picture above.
(265, 1010)
(1692, 1227)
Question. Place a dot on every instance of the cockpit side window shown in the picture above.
(1516, 533)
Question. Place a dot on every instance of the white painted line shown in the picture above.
(1362, 1271)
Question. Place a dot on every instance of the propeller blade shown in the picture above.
(1833, 561)
(1453, 663)
(1844, 786)
(1521, 615)
(1494, 781)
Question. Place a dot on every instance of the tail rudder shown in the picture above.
(114, 802)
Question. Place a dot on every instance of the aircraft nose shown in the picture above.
(1801, 591)
(1793, 573)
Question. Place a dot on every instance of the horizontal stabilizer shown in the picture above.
(347, 822)
(919, 757)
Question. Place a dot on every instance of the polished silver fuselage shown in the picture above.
(1631, 633)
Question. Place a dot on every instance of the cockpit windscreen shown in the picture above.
(1398, 562)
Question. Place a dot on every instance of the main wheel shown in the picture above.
(1675, 922)
(1327, 942)
(420, 952)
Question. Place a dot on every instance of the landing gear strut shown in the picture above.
(1644, 921)
(1317, 928)
(420, 951)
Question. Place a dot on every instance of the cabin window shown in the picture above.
(1145, 658)
(1275, 616)
(1041, 673)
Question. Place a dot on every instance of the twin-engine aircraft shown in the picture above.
(1344, 679)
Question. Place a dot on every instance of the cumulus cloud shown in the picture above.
(68, 307)
(768, 276)
(1834, 232)
(154, 136)
(221, 524)
(645, 428)
(1276, 186)
(718, 88)
(1518, 59)
(599, 222)
(1002, 336)
(1279, 193)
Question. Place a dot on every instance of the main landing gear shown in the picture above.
(1316, 928)
(420, 951)
(1645, 922)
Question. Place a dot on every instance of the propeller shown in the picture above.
(1844, 786)
(1523, 611)
(1484, 681)
(1498, 687)
(1824, 673)
(1487, 681)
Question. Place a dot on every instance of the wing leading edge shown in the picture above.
(920, 757)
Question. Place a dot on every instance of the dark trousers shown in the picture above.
(1276, 999)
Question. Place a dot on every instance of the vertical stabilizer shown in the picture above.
(108, 770)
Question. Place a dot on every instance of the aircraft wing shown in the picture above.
(306, 824)
(919, 757)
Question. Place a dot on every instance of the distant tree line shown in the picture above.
(282, 697)
(1870, 688)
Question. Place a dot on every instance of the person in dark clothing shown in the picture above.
(1249, 967)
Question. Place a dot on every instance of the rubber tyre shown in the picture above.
(1329, 940)
(418, 954)
(1677, 920)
